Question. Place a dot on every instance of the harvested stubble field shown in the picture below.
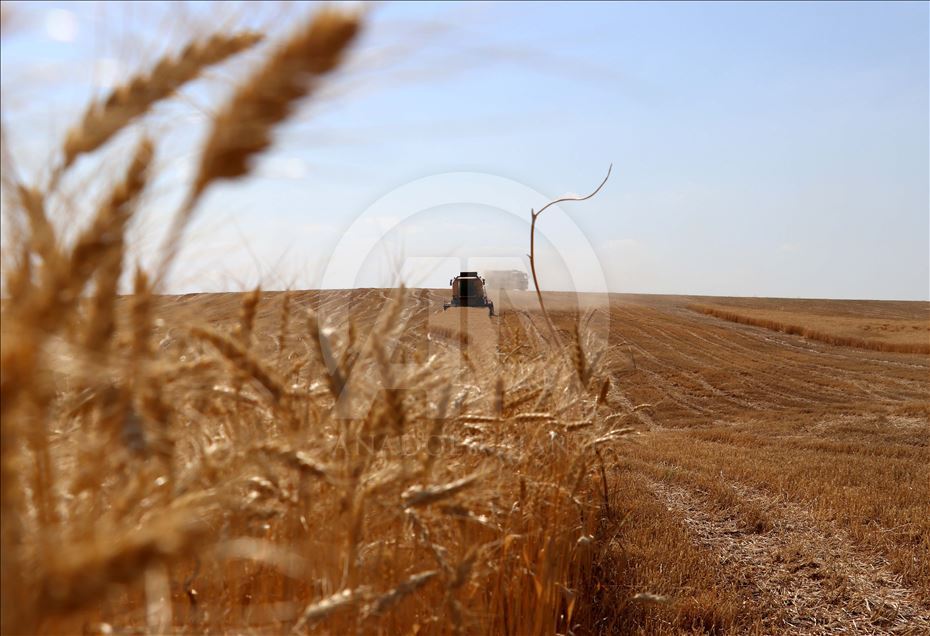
(901, 327)
(782, 483)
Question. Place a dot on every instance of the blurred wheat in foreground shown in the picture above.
(173, 477)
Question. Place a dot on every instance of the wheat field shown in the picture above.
(363, 461)
(181, 475)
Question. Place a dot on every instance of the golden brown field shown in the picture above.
(756, 482)
(785, 483)
(245, 469)
(902, 327)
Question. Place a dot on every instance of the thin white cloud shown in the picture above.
(322, 228)
(276, 167)
(107, 72)
(61, 25)
(621, 244)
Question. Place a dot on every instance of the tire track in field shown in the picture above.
(767, 382)
(810, 347)
(729, 354)
(671, 375)
(812, 355)
(665, 339)
(821, 584)
(782, 372)
(480, 345)
(797, 355)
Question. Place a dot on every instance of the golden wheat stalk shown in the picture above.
(391, 598)
(101, 319)
(341, 600)
(64, 277)
(80, 573)
(42, 234)
(323, 348)
(299, 460)
(125, 103)
(242, 129)
(51, 304)
(283, 324)
(243, 360)
(247, 316)
(140, 309)
(417, 495)
(106, 231)
(111, 519)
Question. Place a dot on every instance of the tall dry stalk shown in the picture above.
(534, 215)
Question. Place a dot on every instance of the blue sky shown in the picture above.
(758, 149)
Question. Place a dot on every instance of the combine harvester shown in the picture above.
(469, 290)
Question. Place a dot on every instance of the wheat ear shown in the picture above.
(247, 312)
(242, 129)
(242, 359)
(104, 119)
